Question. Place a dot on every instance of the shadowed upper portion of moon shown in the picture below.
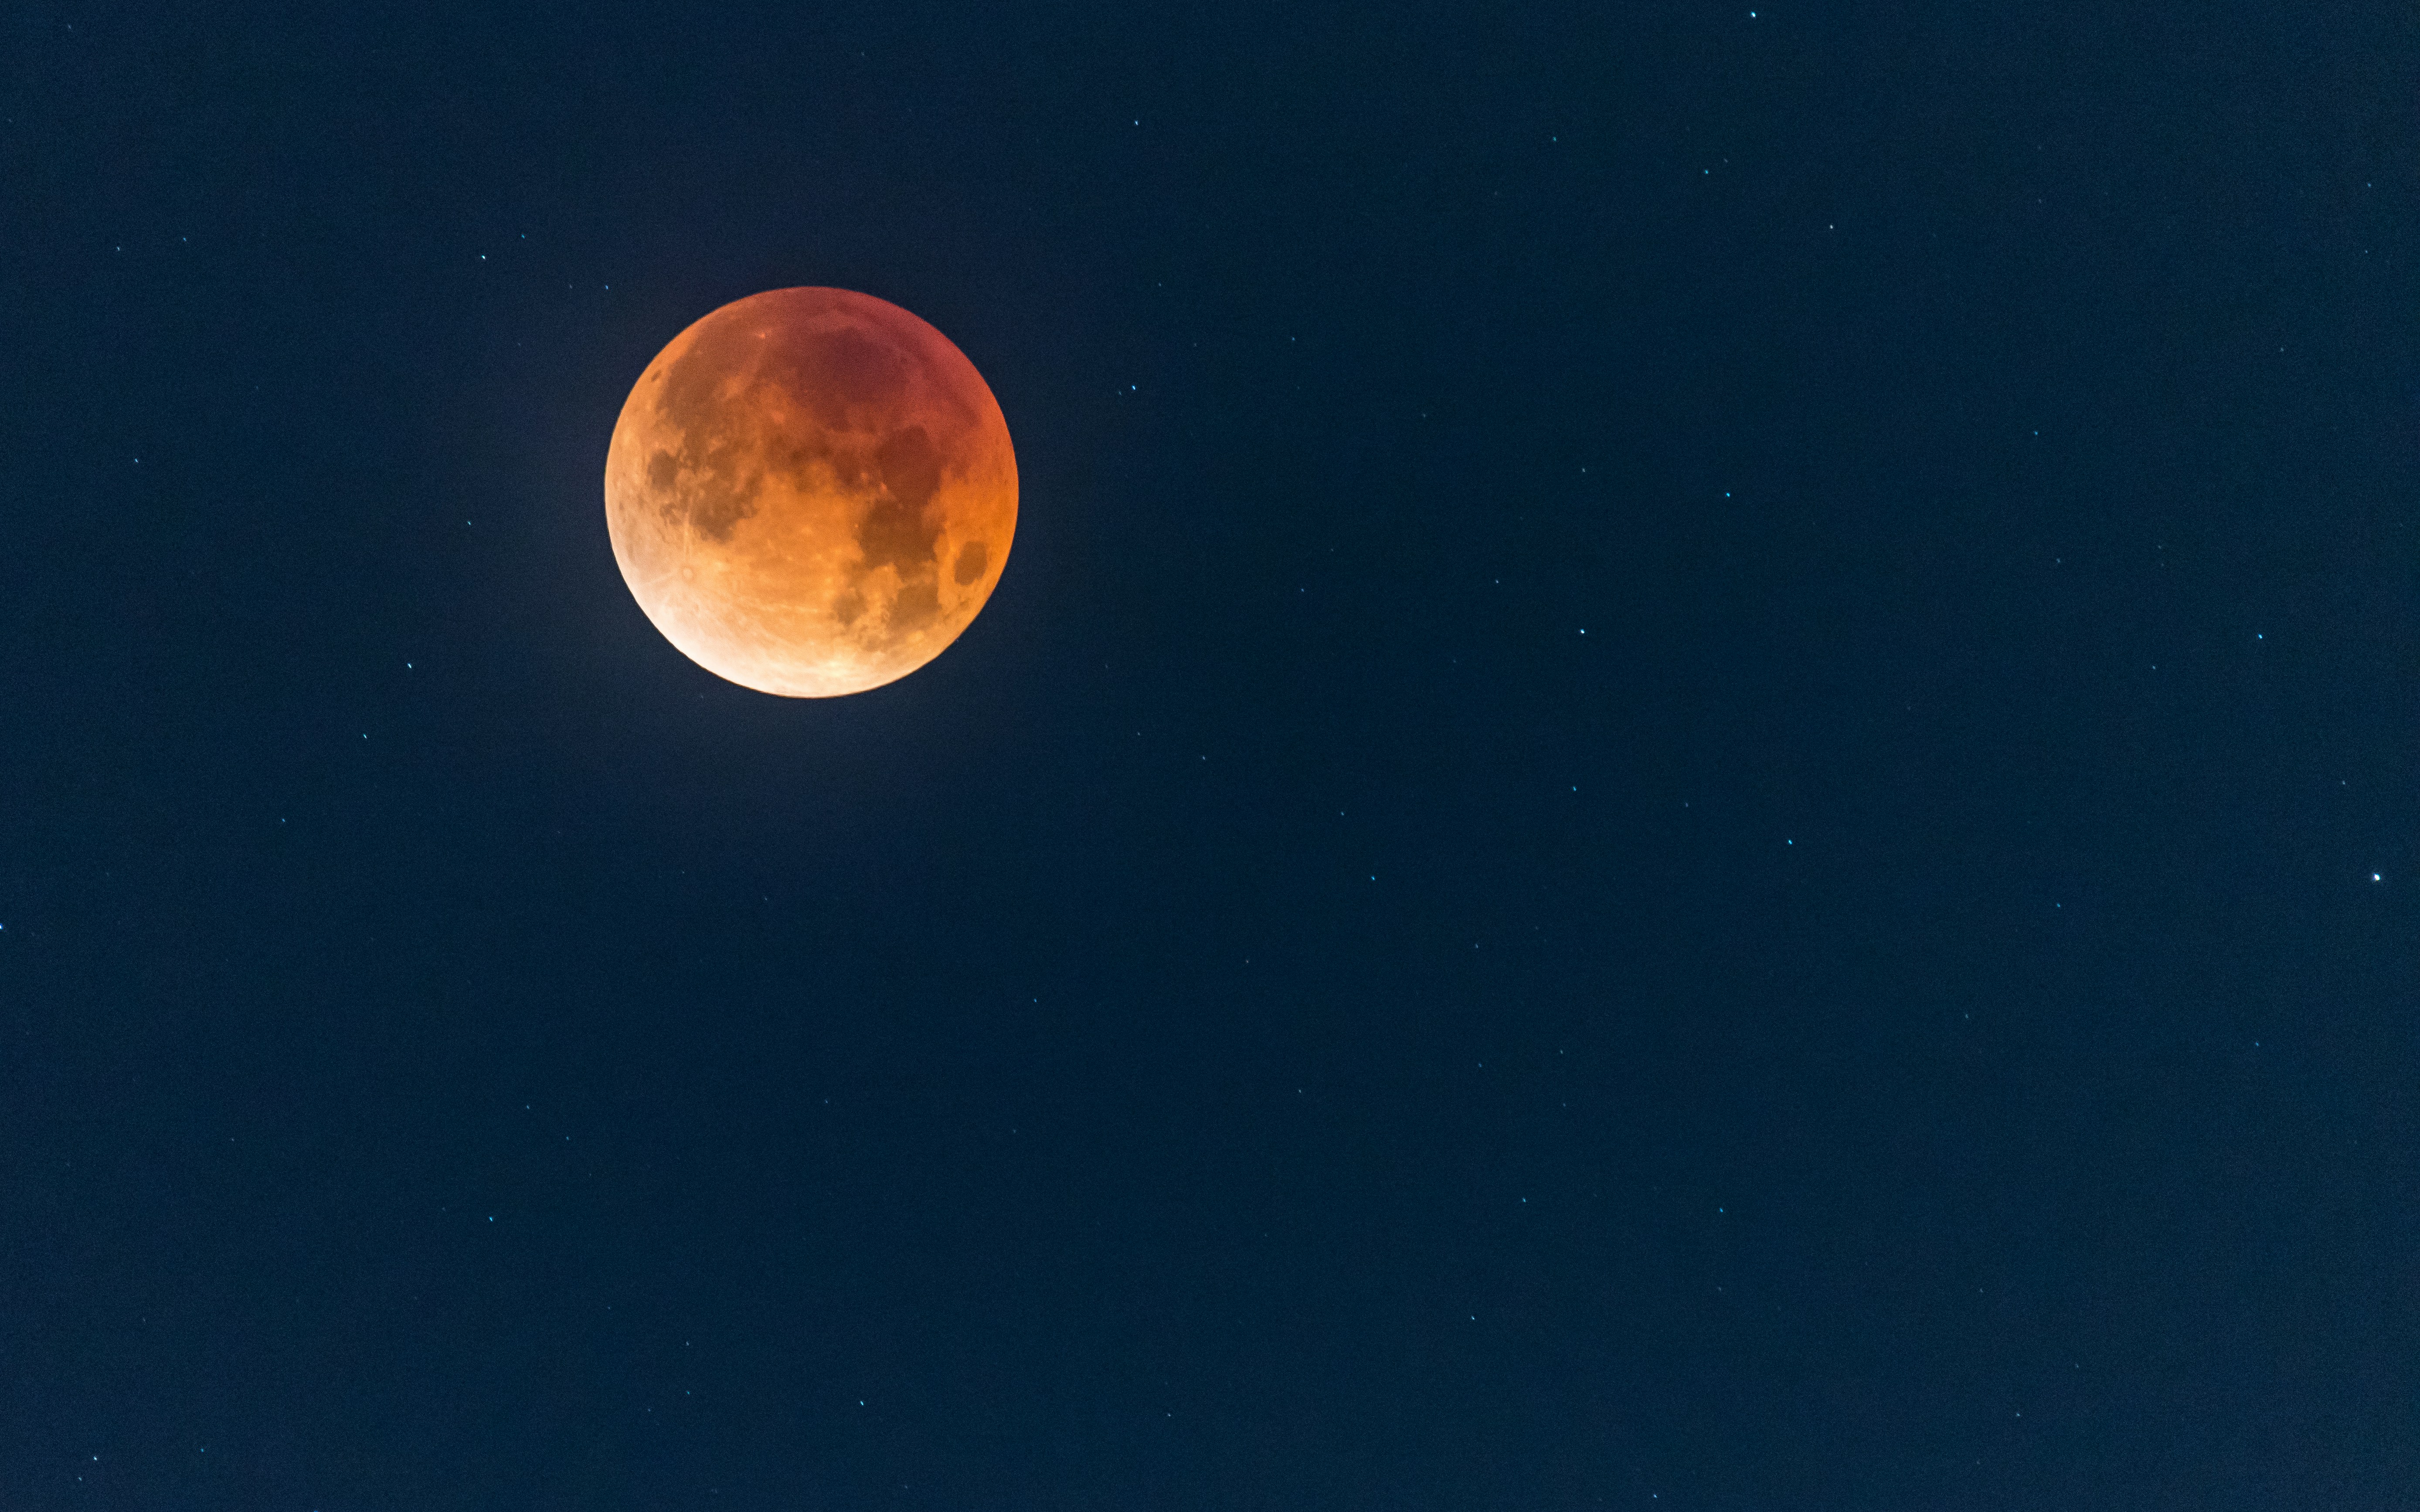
(810, 492)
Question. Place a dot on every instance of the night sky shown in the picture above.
(1693, 787)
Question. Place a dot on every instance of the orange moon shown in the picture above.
(810, 492)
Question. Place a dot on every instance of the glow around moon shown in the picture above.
(810, 492)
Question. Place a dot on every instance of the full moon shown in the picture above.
(810, 492)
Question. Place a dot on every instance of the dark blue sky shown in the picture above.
(1693, 787)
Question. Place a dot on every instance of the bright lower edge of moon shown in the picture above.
(810, 492)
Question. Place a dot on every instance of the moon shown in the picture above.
(810, 492)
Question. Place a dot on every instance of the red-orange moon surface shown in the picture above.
(810, 492)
